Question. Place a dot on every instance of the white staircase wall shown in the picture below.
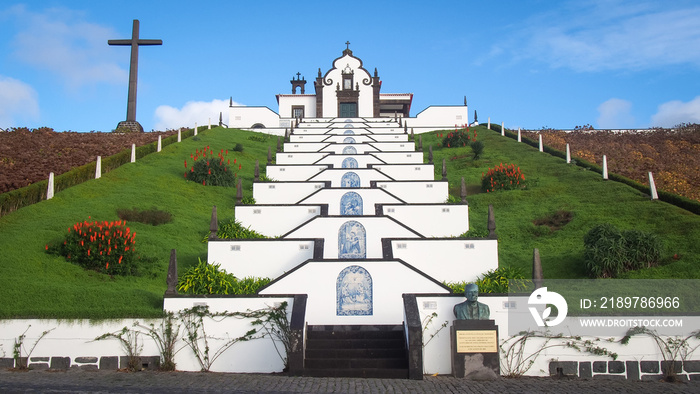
(283, 192)
(263, 258)
(318, 279)
(450, 260)
(275, 220)
(417, 192)
(439, 220)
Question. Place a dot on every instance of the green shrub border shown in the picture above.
(36, 192)
(674, 199)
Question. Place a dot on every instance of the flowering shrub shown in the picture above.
(502, 178)
(458, 138)
(210, 169)
(106, 247)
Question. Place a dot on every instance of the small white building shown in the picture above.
(346, 91)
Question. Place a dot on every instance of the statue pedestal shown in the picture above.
(132, 125)
(475, 352)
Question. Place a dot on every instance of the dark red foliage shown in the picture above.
(28, 156)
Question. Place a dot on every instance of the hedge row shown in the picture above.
(679, 201)
(36, 192)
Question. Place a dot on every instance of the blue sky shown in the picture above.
(530, 63)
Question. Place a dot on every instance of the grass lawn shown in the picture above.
(36, 284)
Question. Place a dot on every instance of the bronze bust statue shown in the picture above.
(471, 309)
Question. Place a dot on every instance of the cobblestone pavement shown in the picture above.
(73, 381)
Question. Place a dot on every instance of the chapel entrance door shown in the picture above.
(348, 110)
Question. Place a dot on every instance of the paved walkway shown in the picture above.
(77, 381)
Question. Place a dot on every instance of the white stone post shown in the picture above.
(503, 130)
(209, 124)
(519, 137)
(98, 167)
(195, 128)
(605, 167)
(133, 153)
(568, 154)
(179, 135)
(160, 144)
(541, 145)
(49, 190)
(489, 126)
(652, 187)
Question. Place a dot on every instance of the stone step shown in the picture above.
(356, 363)
(355, 353)
(359, 373)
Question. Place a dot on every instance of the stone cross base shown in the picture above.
(132, 126)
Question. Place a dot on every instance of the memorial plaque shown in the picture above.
(476, 341)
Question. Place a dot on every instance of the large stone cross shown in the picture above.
(131, 122)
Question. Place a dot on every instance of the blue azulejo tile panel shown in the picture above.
(349, 150)
(349, 162)
(354, 292)
(352, 241)
(349, 140)
(351, 204)
(350, 179)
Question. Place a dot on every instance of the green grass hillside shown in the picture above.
(36, 284)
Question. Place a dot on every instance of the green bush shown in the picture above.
(608, 252)
(106, 247)
(502, 178)
(152, 216)
(238, 147)
(493, 281)
(233, 229)
(209, 169)
(207, 278)
(477, 149)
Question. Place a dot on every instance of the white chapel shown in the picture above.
(347, 91)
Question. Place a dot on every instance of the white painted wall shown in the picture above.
(303, 146)
(338, 148)
(263, 258)
(295, 137)
(275, 220)
(284, 158)
(332, 197)
(333, 77)
(318, 280)
(293, 172)
(450, 260)
(404, 146)
(439, 117)
(399, 157)
(245, 117)
(417, 192)
(283, 192)
(75, 338)
(286, 101)
(334, 175)
(408, 172)
(363, 161)
(376, 228)
(438, 220)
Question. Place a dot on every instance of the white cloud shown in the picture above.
(18, 102)
(675, 112)
(612, 35)
(57, 40)
(201, 112)
(614, 114)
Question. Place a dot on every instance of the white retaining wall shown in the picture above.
(246, 117)
(440, 220)
(261, 258)
(335, 175)
(332, 197)
(294, 172)
(283, 192)
(284, 158)
(376, 228)
(275, 220)
(399, 157)
(318, 280)
(417, 192)
(449, 260)
(408, 172)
